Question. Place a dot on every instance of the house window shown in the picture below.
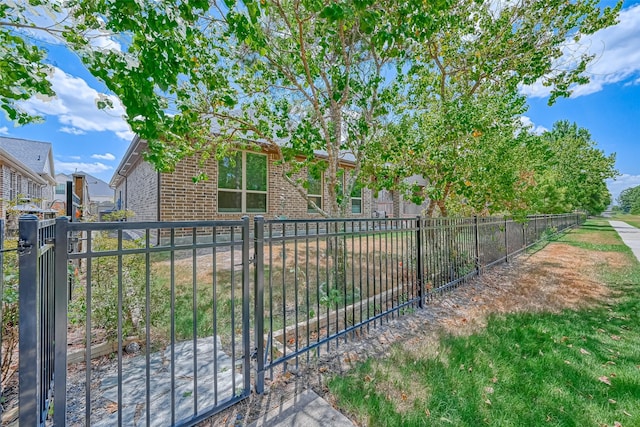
(12, 186)
(314, 192)
(60, 188)
(356, 192)
(242, 183)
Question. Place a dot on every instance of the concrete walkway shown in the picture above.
(306, 409)
(629, 235)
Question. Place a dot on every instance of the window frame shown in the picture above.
(314, 196)
(343, 184)
(243, 186)
(360, 188)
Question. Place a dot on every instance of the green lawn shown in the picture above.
(576, 368)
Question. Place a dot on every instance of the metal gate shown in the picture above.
(151, 321)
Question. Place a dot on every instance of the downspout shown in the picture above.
(158, 197)
(158, 207)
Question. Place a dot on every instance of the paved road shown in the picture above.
(629, 234)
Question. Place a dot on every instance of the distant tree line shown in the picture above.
(629, 200)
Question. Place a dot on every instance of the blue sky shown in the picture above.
(86, 138)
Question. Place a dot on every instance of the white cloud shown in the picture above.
(75, 106)
(617, 56)
(92, 168)
(4, 130)
(537, 129)
(71, 130)
(74, 157)
(624, 181)
(105, 156)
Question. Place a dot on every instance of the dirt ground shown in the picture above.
(557, 277)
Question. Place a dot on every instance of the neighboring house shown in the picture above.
(96, 197)
(252, 185)
(27, 176)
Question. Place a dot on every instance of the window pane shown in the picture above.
(229, 201)
(357, 191)
(256, 202)
(356, 206)
(230, 172)
(256, 172)
(60, 188)
(315, 184)
(317, 201)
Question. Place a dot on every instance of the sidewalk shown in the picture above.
(306, 409)
(629, 235)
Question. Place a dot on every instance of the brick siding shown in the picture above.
(182, 199)
(139, 192)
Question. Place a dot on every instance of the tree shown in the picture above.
(576, 169)
(473, 161)
(142, 51)
(304, 77)
(629, 200)
(463, 86)
(299, 76)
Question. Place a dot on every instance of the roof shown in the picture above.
(34, 154)
(34, 157)
(139, 146)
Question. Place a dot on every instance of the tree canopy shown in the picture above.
(398, 88)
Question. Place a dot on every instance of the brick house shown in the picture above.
(252, 185)
(27, 182)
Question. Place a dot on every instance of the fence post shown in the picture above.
(506, 241)
(246, 294)
(258, 246)
(61, 293)
(477, 237)
(29, 328)
(419, 261)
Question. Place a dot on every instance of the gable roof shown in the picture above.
(36, 155)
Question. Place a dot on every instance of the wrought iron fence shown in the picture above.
(168, 307)
(319, 280)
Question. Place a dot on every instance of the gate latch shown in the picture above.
(24, 247)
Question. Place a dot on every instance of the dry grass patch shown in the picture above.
(559, 277)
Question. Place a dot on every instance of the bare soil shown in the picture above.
(558, 277)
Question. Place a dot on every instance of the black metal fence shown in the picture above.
(319, 280)
(155, 323)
